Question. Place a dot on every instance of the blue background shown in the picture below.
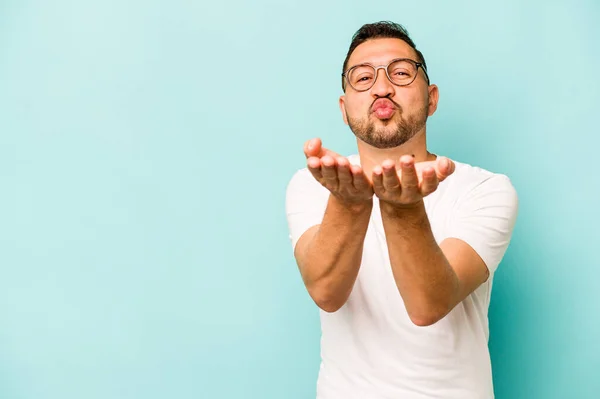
(145, 147)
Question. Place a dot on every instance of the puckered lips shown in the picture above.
(383, 108)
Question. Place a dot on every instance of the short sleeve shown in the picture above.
(306, 200)
(485, 217)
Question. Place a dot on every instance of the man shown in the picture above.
(396, 245)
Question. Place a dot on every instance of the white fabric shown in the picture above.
(370, 349)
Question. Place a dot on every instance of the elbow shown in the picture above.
(327, 300)
(425, 319)
(328, 306)
(426, 311)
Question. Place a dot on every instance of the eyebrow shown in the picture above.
(373, 64)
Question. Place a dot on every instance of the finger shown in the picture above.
(444, 168)
(312, 148)
(409, 180)
(430, 181)
(391, 182)
(329, 170)
(378, 186)
(325, 151)
(359, 178)
(314, 166)
(343, 171)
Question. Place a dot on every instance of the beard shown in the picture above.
(394, 132)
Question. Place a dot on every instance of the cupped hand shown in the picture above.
(407, 183)
(345, 181)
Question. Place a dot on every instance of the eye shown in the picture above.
(362, 79)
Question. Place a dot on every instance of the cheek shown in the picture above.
(413, 99)
(357, 106)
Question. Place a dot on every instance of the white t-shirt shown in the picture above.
(370, 349)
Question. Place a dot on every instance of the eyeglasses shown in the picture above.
(400, 71)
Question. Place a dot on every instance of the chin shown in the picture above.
(389, 126)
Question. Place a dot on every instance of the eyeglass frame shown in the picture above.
(385, 68)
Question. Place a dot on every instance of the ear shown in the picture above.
(434, 96)
(343, 109)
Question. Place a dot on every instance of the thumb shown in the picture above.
(445, 167)
(312, 148)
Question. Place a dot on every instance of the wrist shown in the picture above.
(355, 207)
(413, 211)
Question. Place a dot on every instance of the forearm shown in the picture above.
(331, 259)
(426, 281)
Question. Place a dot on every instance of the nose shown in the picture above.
(382, 86)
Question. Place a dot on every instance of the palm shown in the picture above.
(411, 182)
(345, 181)
(401, 183)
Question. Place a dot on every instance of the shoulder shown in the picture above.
(469, 179)
(299, 176)
(305, 203)
(472, 191)
(302, 179)
(302, 187)
(483, 211)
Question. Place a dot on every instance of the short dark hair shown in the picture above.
(381, 30)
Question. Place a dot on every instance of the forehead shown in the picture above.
(381, 51)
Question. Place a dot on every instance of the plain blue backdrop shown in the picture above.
(145, 148)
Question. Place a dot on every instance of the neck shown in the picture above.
(371, 156)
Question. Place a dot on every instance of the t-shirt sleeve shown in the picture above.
(306, 200)
(485, 217)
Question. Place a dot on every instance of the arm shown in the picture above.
(432, 279)
(329, 253)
